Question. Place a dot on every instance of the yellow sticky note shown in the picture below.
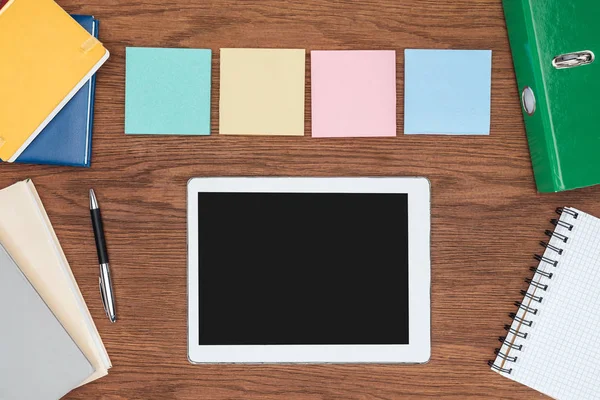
(262, 92)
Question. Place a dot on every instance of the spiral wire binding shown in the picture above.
(521, 320)
(545, 274)
(547, 260)
(564, 224)
(551, 247)
(503, 340)
(557, 235)
(572, 213)
(532, 296)
(538, 285)
(529, 309)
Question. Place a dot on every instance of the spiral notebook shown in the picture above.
(553, 343)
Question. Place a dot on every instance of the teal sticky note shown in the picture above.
(447, 92)
(167, 91)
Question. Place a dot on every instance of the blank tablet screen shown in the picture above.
(303, 268)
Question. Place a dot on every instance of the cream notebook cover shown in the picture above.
(553, 343)
(26, 233)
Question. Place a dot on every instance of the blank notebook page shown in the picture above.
(560, 355)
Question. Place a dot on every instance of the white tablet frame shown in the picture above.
(419, 215)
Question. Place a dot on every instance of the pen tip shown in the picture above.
(93, 201)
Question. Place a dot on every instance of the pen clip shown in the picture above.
(103, 295)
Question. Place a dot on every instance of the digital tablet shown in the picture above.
(308, 270)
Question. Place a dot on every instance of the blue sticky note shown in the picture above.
(167, 91)
(447, 92)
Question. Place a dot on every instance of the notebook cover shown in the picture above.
(27, 234)
(51, 58)
(562, 132)
(39, 359)
(67, 140)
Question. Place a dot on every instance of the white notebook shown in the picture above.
(553, 343)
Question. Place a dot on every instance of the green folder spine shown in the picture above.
(564, 131)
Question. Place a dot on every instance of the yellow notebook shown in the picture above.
(46, 57)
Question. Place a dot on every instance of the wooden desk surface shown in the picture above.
(486, 219)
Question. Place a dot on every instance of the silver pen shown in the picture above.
(106, 288)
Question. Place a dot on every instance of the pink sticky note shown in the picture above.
(353, 93)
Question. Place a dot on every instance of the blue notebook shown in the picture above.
(67, 139)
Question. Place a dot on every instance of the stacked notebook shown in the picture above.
(46, 108)
(47, 335)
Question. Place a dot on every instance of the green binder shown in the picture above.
(553, 44)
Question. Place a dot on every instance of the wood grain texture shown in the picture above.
(486, 218)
